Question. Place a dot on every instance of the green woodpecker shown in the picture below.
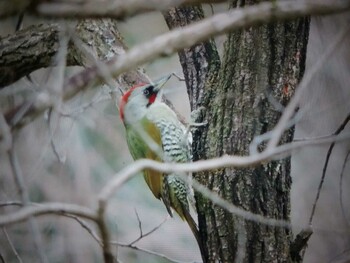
(148, 121)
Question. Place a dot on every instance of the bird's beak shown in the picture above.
(158, 84)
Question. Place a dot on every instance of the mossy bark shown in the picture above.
(241, 98)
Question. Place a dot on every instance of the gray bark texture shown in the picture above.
(238, 98)
(19, 53)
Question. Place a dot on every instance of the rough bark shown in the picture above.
(270, 57)
(258, 62)
(19, 53)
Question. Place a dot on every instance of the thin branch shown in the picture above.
(12, 246)
(76, 218)
(87, 228)
(60, 61)
(60, 158)
(330, 150)
(139, 223)
(11, 203)
(105, 237)
(24, 196)
(341, 188)
(47, 209)
(95, 236)
(143, 235)
(98, 98)
(5, 134)
(130, 245)
(150, 252)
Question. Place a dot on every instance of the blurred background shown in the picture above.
(76, 156)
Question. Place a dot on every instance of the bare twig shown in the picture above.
(57, 89)
(139, 223)
(72, 113)
(341, 189)
(87, 228)
(338, 131)
(11, 245)
(143, 235)
(60, 158)
(23, 193)
(11, 203)
(5, 134)
(130, 245)
(105, 237)
(156, 254)
(46, 209)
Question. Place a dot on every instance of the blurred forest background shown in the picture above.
(90, 147)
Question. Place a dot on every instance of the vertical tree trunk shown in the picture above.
(258, 63)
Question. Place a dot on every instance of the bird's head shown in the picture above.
(135, 102)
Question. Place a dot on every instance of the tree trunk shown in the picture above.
(260, 69)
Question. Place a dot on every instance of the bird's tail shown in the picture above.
(192, 224)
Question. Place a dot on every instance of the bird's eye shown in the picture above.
(146, 92)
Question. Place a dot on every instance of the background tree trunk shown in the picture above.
(258, 64)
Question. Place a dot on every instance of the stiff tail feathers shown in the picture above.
(193, 226)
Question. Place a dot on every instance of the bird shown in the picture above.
(154, 131)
